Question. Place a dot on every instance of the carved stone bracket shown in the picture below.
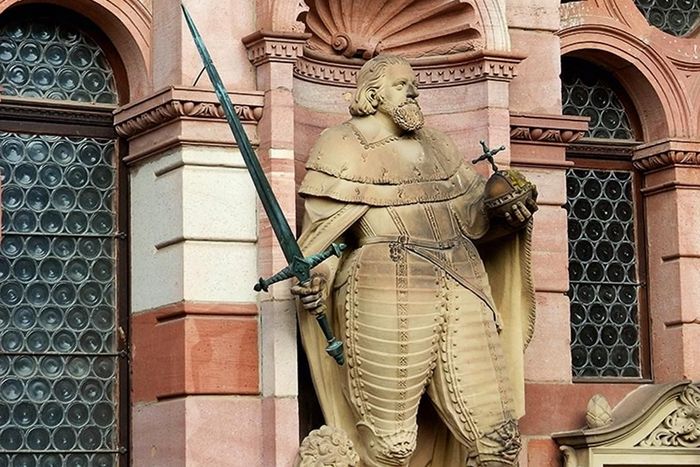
(549, 129)
(457, 69)
(183, 115)
(265, 47)
(666, 153)
(174, 103)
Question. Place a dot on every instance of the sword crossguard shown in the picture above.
(488, 155)
(300, 267)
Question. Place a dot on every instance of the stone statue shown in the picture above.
(426, 317)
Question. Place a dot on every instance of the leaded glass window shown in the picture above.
(606, 283)
(40, 59)
(593, 97)
(677, 17)
(60, 357)
(602, 274)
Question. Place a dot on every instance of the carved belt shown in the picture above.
(423, 249)
(407, 241)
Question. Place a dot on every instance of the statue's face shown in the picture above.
(397, 97)
(400, 85)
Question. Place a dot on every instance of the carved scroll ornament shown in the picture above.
(668, 158)
(327, 446)
(682, 427)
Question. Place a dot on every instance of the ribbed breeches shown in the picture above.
(410, 328)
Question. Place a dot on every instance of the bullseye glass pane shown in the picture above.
(58, 357)
(59, 63)
(602, 265)
(593, 97)
(677, 17)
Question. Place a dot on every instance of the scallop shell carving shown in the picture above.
(412, 28)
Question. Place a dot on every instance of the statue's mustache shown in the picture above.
(409, 101)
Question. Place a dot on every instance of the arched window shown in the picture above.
(606, 264)
(676, 17)
(61, 340)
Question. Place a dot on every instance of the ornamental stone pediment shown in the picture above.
(653, 425)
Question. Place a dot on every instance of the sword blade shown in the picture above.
(279, 223)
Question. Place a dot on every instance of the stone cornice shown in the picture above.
(68, 112)
(182, 102)
(547, 129)
(265, 47)
(452, 70)
(666, 153)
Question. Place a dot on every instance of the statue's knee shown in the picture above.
(390, 448)
(500, 446)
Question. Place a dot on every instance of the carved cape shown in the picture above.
(339, 188)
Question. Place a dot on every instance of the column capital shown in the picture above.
(540, 140)
(267, 46)
(667, 153)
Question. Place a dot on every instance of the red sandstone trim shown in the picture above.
(268, 46)
(164, 312)
(195, 348)
(556, 407)
(178, 115)
(681, 322)
(431, 72)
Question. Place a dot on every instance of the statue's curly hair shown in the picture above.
(370, 81)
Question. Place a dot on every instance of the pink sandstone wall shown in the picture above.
(653, 67)
(214, 372)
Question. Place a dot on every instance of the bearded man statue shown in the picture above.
(433, 297)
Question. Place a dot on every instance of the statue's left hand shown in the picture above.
(510, 198)
(521, 211)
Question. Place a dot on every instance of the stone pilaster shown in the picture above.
(671, 191)
(274, 56)
(194, 317)
(538, 149)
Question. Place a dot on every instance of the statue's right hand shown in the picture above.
(311, 293)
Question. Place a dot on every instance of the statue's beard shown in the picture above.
(407, 115)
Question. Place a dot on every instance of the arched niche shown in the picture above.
(286, 15)
(648, 79)
(127, 25)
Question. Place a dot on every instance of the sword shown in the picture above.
(298, 266)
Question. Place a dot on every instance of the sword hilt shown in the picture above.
(334, 347)
(300, 267)
(264, 284)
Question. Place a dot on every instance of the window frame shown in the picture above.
(610, 155)
(71, 118)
